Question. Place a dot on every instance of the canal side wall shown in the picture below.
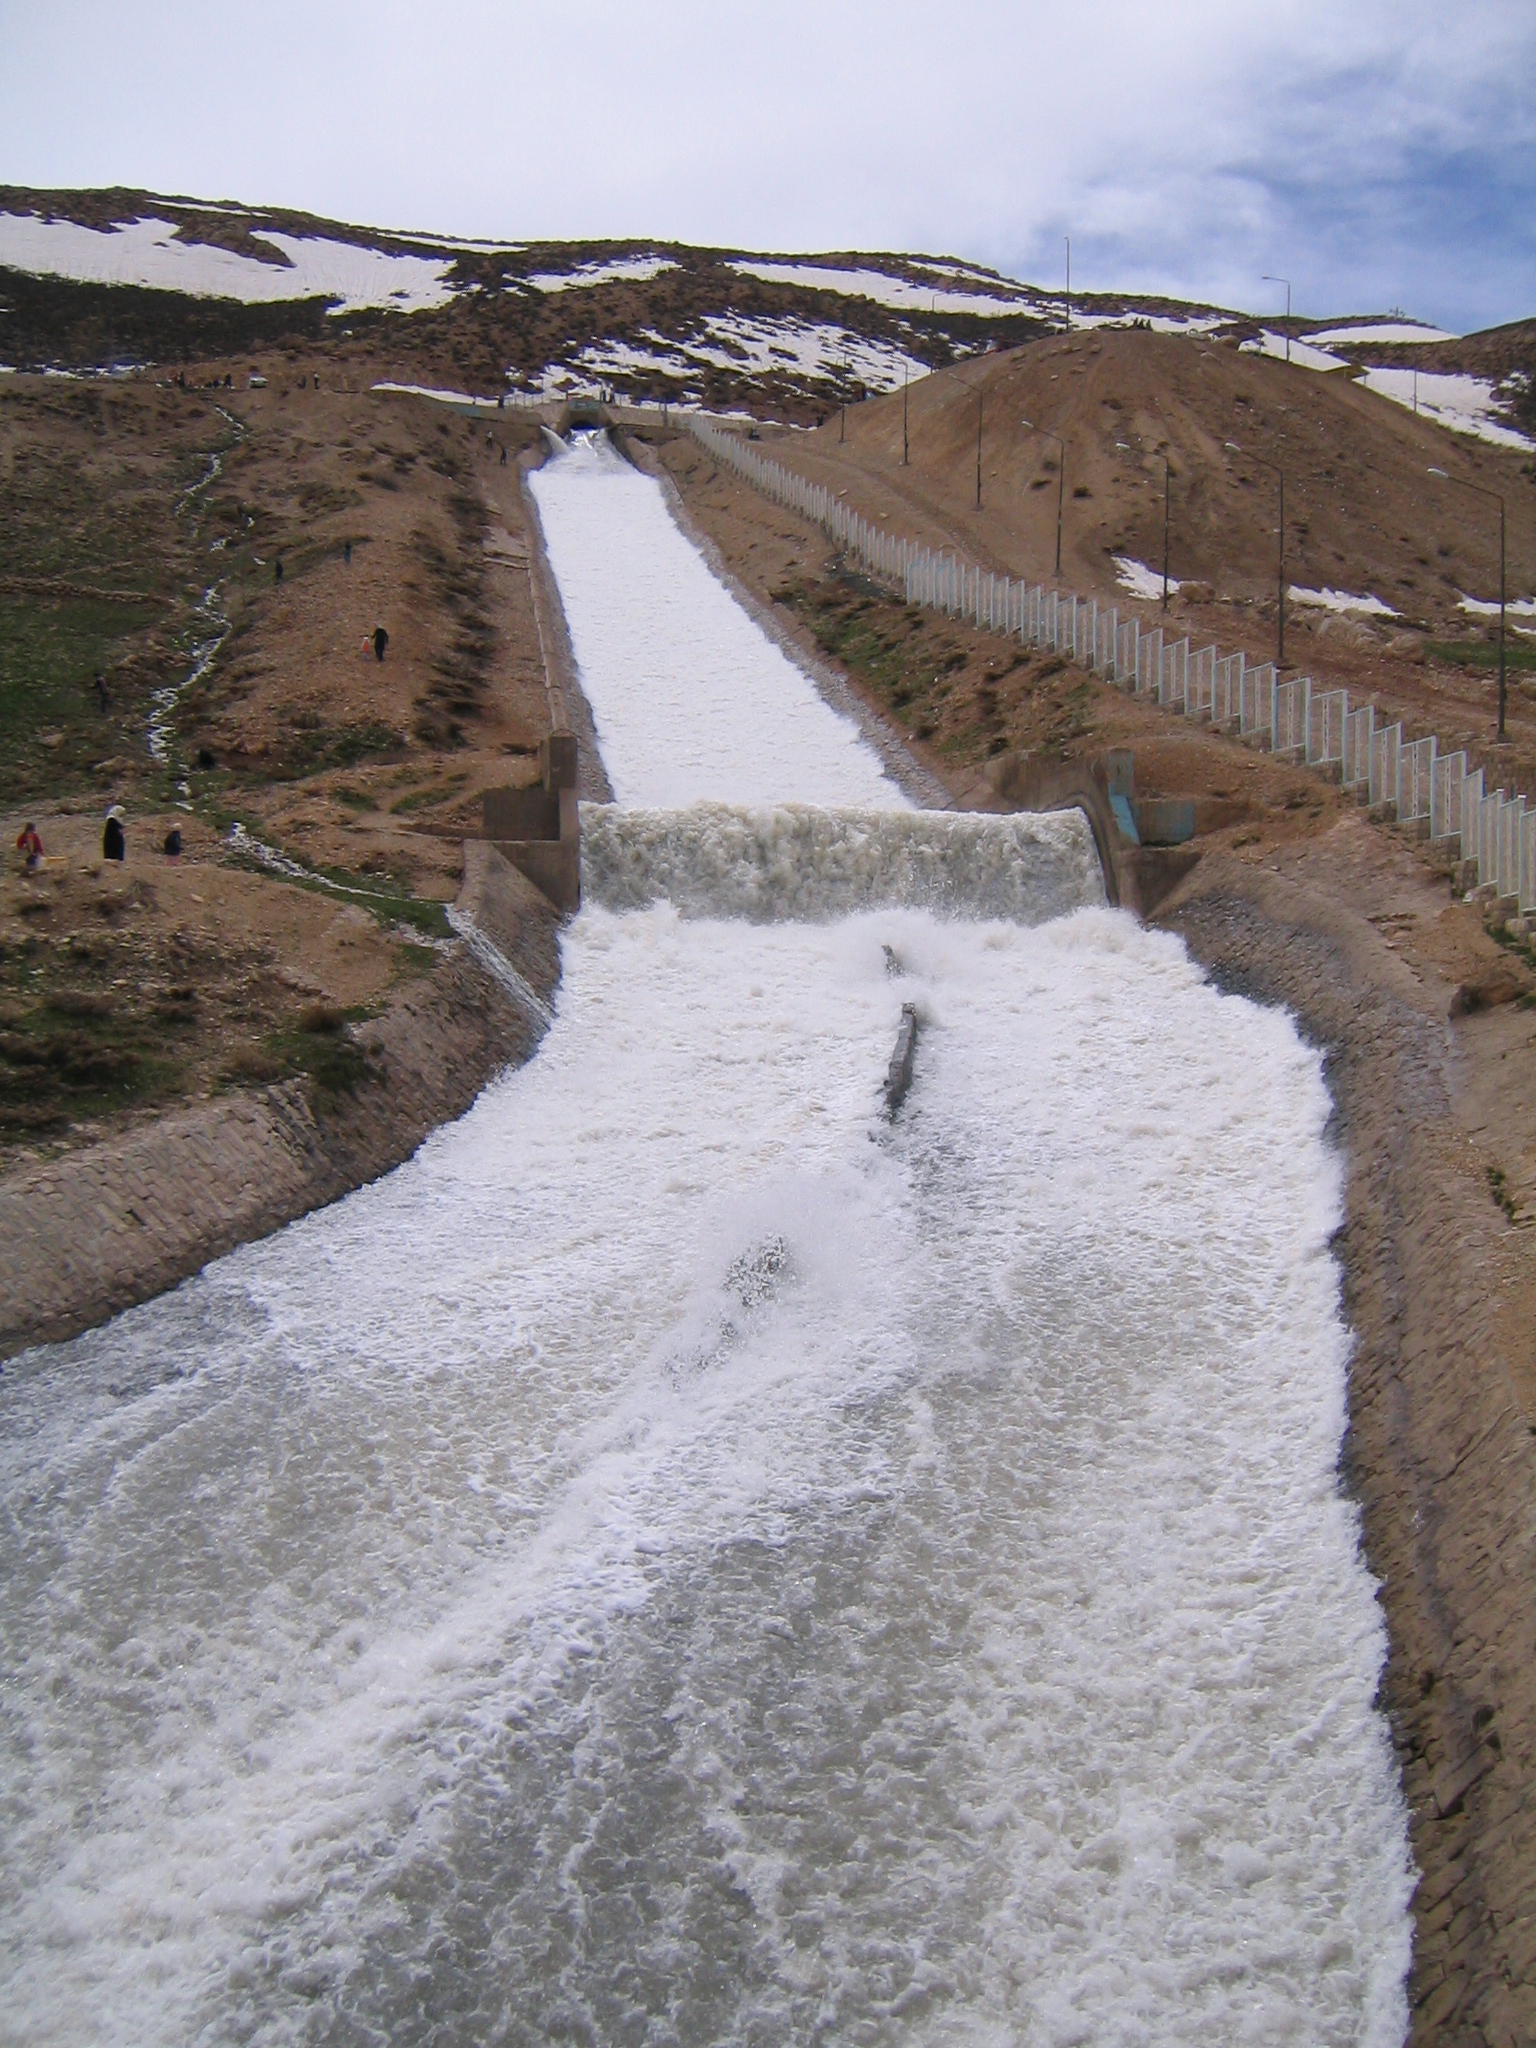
(1440, 1450)
(98, 1229)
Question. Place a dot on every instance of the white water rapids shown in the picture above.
(684, 1560)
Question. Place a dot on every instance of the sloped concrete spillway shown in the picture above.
(688, 1559)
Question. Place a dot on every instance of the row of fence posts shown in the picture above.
(1438, 795)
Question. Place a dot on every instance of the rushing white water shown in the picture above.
(687, 1560)
(691, 702)
(798, 861)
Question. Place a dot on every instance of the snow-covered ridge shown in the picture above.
(1267, 343)
(734, 341)
(1454, 399)
(1394, 333)
(150, 253)
(1156, 323)
(999, 300)
(622, 270)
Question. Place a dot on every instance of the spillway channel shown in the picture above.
(688, 1558)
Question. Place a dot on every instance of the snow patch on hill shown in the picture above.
(623, 270)
(899, 293)
(151, 254)
(1301, 352)
(1488, 608)
(1454, 399)
(805, 350)
(1384, 331)
(1141, 581)
(1157, 323)
(1343, 601)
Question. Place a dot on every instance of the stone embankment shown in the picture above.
(1440, 1451)
(110, 1224)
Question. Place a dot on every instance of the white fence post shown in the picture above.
(1415, 781)
(1511, 817)
(1359, 737)
(1445, 796)
(1327, 720)
(1176, 676)
(1386, 746)
(1472, 815)
(1488, 837)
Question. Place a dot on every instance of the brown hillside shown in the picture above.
(1362, 514)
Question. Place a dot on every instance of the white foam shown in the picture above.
(149, 253)
(969, 1586)
(691, 700)
(816, 862)
(684, 1556)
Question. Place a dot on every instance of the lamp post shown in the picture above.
(1265, 463)
(1124, 447)
(1483, 491)
(1061, 478)
(906, 373)
(1068, 240)
(1287, 283)
(967, 387)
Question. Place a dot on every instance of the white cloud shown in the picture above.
(1372, 151)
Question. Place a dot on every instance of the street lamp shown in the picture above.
(1267, 279)
(1264, 461)
(967, 387)
(1483, 491)
(1167, 509)
(1061, 478)
(906, 373)
(1068, 240)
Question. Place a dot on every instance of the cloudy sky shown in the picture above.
(1378, 152)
